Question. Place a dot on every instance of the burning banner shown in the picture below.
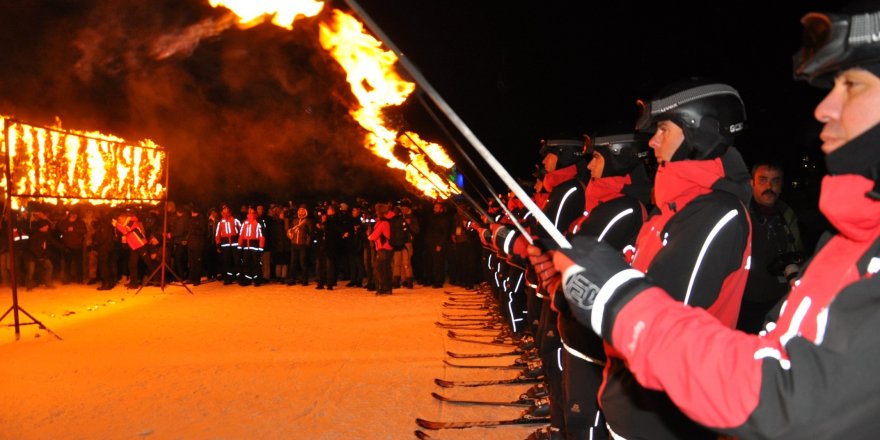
(53, 165)
(374, 82)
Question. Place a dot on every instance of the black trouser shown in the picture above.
(195, 253)
(134, 259)
(550, 352)
(105, 269)
(72, 265)
(251, 262)
(179, 252)
(437, 265)
(299, 266)
(229, 262)
(369, 256)
(325, 269)
(513, 301)
(581, 381)
(45, 266)
(383, 272)
(533, 304)
(356, 266)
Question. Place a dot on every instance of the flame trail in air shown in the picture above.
(370, 71)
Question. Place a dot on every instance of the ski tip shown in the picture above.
(427, 424)
(421, 434)
(439, 397)
(444, 383)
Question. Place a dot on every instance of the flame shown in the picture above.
(373, 80)
(283, 12)
(376, 85)
(54, 165)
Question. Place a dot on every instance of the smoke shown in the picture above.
(255, 113)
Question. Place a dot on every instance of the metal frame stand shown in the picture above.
(164, 265)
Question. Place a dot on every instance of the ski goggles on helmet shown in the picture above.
(834, 42)
(557, 146)
(615, 144)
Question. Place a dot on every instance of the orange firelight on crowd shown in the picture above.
(374, 82)
(54, 165)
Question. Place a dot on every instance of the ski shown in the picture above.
(471, 326)
(478, 300)
(486, 318)
(473, 341)
(464, 307)
(520, 402)
(495, 335)
(480, 303)
(490, 333)
(525, 420)
(470, 315)
(495, 367)
(422, 435)
(465, 292)
(483, 355)
(479, 383)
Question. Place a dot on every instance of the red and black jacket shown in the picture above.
(696, 247)
(615, 211)
(811, 374)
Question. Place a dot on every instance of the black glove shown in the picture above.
(596, 282)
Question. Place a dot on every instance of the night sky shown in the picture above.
(262, 113)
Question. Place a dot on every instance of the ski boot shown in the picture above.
(547, 433)
(540, 409)
(534, 371)
(537, 391)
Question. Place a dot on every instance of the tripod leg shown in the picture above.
(40, 324)
(148, 279)
(7, 312)
(180, 280)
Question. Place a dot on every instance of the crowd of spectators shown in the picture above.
(320, 244)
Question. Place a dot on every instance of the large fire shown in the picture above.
(53, 165)
(374, 82)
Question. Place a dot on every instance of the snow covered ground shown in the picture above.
(229, 362)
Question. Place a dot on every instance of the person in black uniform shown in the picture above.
(438, 234)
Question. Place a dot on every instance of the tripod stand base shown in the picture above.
(163, 267)
(34, 321)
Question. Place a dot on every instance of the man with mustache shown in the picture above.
(777, 249)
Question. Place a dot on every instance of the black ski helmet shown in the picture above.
(622, 152)
(568, 151)
(832, 44)
(836, 42)
(709, 113)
